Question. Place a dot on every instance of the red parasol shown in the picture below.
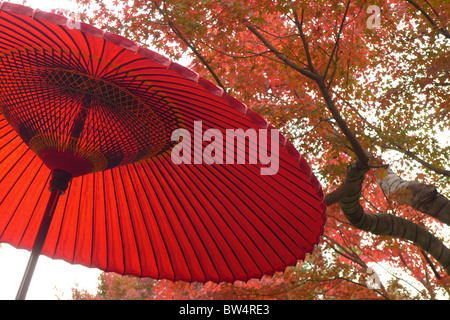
(97, 118)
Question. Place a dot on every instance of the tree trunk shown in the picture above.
(387, 224)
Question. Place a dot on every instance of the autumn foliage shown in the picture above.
(346, 86)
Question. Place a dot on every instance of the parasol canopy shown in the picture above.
(99, 118)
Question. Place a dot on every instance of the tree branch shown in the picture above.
(334, 196)
(397, 147)
(419, 196)
(432, 266)
(281, 56)
(359, 151)
(442, 30)
(299, 25)
(413, 156)
(347, 253)
(191, 46)
(381, 223)
(197, 54)
(357, 148)
(336, 44)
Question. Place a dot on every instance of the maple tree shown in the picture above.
(363, 96)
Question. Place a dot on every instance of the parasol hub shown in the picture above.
(66, 161)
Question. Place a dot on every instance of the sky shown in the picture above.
(52, 279)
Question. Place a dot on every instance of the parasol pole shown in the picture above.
(58, 185)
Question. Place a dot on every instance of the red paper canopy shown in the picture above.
(105, 109)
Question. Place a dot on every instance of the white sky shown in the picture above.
(52, 278)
